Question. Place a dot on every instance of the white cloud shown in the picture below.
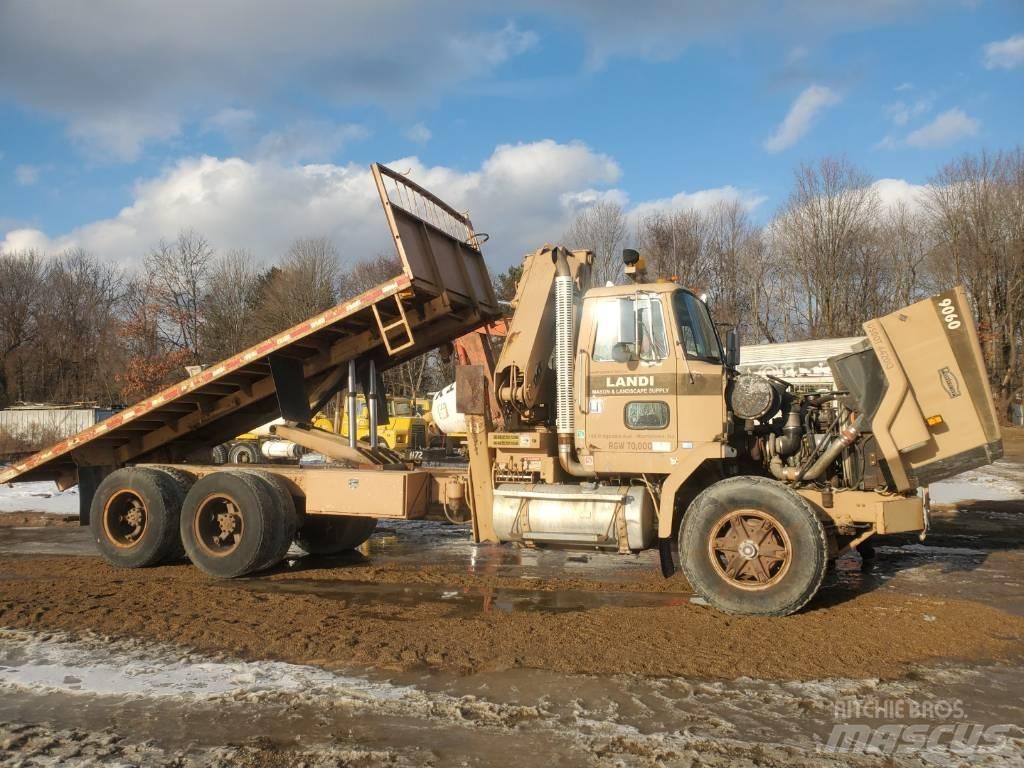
(120, 135)
(516, 195)
(703, 200)
(797, 54)
(661, 29)
(419, 134)
(948, 128)
(905, 86)
(894, 191)
(125, 74)
(26, 175)
(808, 105)
(522, 195)
(1005, 54)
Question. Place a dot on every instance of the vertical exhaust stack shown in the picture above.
(565, 414)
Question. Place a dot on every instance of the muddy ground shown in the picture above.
(422, 604)
(396, 616)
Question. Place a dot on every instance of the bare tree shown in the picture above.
(600, 228)
(21, 294)
(179, 271)
(905, 243)
(230, 306)
(675, 244)
(825, 236)
(733, 253)
(976, 205)
(368, 273)
(306, 283)
(79, 349)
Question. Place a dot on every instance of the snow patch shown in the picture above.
(1002, 481)
(52, 663)
(38, 496)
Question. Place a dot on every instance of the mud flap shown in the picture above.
(668, 563)
(89, 479)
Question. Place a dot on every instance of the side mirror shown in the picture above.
(622, 352)
(732, 349)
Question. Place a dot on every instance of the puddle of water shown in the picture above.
(464, 600)
(1002, 481)
(984, 576)
(47, 541)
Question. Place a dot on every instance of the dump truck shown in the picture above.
(619, 422)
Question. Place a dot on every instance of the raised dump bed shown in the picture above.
(443, 291)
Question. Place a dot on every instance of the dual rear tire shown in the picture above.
(229, 524)
(236, 523)
(134, 516)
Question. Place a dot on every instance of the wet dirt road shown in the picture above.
(427, 650)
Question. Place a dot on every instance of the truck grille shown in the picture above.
(418, 436)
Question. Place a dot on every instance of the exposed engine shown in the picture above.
(822, 438)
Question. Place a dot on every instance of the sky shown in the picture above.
(254, 121)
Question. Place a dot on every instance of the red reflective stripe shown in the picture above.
(232, 364)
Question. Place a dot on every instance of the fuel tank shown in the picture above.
(574, 514)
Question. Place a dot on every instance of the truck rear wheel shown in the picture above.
(231, 524)
(134, 517)
(244, 453)
(183, 482)
(219, 454)
(284, 531)
(329, 535)
(750, 545)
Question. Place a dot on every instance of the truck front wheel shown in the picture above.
(750, 545)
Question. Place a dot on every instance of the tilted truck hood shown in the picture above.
(919, 385)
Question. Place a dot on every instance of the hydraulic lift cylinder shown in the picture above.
(372, 397)
(352, 427)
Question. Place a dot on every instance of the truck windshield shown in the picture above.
(635, 321)
(696, 331)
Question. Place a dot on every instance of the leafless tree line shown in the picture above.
(73, 328)
(836, 254)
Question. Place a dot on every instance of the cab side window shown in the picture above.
(696, 332)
